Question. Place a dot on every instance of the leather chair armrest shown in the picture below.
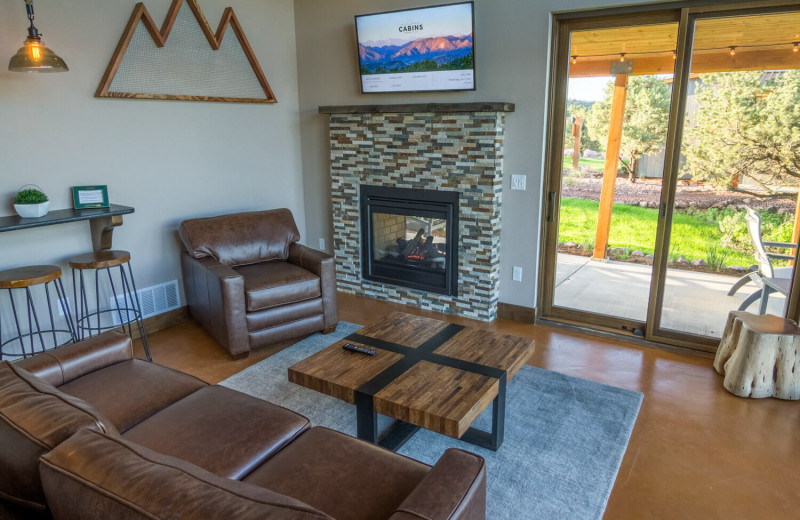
(323, 265)
(215, 294)
(308, 258)
(454, 489)
(65, 364)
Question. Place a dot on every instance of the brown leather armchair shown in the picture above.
(249, 283)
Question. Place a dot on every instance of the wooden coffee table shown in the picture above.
(425, 373)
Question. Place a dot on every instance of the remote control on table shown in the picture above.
(359, 349)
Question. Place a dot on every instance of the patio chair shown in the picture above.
(768, 279)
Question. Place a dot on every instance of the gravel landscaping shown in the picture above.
(647, 193)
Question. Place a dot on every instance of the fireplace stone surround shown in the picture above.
(446, 147)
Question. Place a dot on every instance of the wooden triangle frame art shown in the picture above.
(140, 13)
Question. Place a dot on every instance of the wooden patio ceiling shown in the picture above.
(762, 42)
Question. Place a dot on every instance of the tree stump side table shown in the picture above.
(760, 356)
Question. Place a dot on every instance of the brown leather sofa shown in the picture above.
(249, 283)
(89, 432)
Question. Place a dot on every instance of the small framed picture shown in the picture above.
(90, 197)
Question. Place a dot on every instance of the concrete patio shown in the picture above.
(694, 302)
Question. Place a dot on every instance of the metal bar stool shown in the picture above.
(24, 278)
(125, 307)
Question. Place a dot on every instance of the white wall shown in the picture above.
(512, 40)
(169, 159)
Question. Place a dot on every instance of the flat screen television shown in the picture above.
(417, 50)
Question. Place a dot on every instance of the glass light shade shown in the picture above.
(34, 56)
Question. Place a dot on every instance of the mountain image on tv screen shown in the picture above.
(418, 40)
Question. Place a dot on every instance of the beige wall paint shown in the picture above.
(512, 40)
(170, 160)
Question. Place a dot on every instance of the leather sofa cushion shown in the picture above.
(285, 331)
(241, 238)
(62, 365)
(131, 391)
(370, 482)
(221, 430)
(271, 284)
(34, 418)
(266, 318)
(95, 477)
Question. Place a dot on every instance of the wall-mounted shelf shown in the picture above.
(102, 222)
(417, 108)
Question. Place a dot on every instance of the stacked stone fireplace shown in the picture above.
(431, 148)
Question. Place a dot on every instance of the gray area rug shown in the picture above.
(564, 436)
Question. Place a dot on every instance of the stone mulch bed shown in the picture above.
(647, 193)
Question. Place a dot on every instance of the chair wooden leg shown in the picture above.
(241, 355)
(329, 330)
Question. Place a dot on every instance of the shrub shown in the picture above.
(734, 233)
(715, 258)
(30, 196)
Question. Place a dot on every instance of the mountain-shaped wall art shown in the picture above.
(184, 60)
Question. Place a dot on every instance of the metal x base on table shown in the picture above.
(400, 432)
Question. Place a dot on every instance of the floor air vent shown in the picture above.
(154, 300)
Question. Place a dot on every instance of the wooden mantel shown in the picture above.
(415, 108)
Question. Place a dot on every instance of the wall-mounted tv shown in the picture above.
(417, 50)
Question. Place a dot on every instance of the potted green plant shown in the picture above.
(31, 202)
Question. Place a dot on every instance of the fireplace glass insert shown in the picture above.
(410, 238)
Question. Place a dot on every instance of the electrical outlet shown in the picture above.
(322, 244)
(517, 275)
(518, 182)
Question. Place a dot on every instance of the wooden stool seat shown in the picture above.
(19, 282)
(100, 259)
(760, 356)
(97, 316)
(28, 276)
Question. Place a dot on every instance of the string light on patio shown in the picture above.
(624, 56)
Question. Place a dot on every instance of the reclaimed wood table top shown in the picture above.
(439, 385)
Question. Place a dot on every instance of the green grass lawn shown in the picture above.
(597, 164)
(693, 232)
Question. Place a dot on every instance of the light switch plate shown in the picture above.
(322, 244)
(517, 275)
(518, 182)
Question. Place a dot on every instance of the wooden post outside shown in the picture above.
(577, 127)
(796, 229)
(611, 165)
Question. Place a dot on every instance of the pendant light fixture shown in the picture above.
(34, 56)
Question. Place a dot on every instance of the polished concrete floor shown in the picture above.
(697, 451)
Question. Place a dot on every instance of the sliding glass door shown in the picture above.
(734, 206)
(673, 171)
(613, 79)
(612, 171)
